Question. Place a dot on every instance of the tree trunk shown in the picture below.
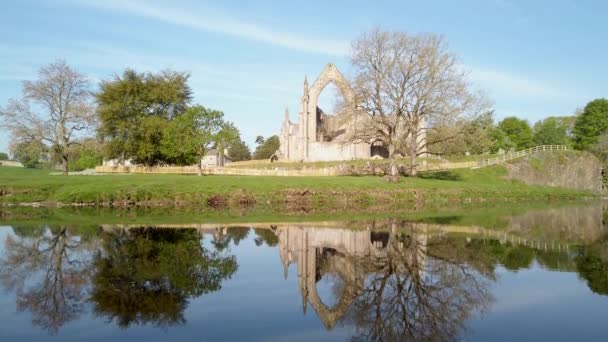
(64, 163)
(391, 151)
(413, 154)
(221, 155)
(392, 173)
(200, 167)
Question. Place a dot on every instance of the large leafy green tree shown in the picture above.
(500, 140)
(600, 149)
(552, 131)
(463, 135)
(148, 275)
(188, 137)
(518, 131)
(590, 124)
(477, 133)
(239, 151)
(134, 110)
(266, 147)
(226, 137)
(28, 153)
(85, 154)
(446, 139)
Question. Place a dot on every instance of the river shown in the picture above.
(539, 274)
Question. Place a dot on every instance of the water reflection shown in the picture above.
(146, 275)
(388, 279)
(50, 271)
(396, 283)
(129, 276)
(592, 264)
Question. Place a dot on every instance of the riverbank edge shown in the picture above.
(306, 198)
(487, 214)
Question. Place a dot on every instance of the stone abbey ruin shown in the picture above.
(319, 136)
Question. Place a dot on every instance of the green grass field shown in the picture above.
(29, 185)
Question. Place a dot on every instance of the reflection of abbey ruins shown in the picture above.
(349, 254)
(319, 136)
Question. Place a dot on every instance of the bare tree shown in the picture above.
(404, 83)
(62, 96)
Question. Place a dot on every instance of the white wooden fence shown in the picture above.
(519, 154)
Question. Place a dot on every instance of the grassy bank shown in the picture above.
(19, 185)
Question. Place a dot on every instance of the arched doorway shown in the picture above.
(379, 150)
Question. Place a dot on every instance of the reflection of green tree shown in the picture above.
(221, 238)
(516, 258)
(477, 253)
(593, 267)
(237, 234)
(493, 252)
(590, 261)
(554, 260)
(266, 236)
(148, 275)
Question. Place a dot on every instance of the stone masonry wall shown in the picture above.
(568, 169)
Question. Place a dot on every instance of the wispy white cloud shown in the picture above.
(495, 81)
(102, 60)
(505, 83)
(212, 20)
(16, 72)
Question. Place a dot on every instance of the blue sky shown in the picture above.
(249, 58)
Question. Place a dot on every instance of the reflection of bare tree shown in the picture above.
(414, 293)
(394, 285)
(49, 273)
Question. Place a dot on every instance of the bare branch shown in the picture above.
(404, 83)
(63, 96)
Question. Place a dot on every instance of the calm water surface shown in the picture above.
(542, 275)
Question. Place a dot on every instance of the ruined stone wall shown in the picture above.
(320, 151)
(567, 169)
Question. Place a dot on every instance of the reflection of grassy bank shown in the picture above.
(22, 185)
(484, 215)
